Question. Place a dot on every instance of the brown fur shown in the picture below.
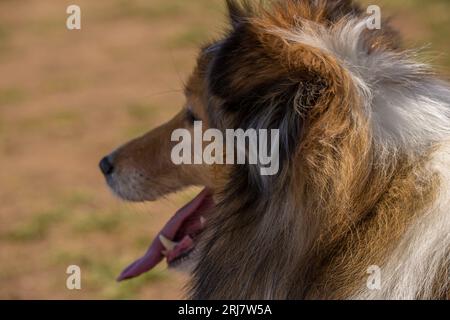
(338, 205)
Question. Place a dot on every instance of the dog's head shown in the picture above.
(270, 72)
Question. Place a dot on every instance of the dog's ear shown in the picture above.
(256, 91)
(327, 11)
(255, 64)
(262, 80)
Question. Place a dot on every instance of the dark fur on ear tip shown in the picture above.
(238, 11)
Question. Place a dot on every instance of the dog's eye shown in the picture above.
(191, 117)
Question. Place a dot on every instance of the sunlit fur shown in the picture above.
(364, 159)
(365, 171)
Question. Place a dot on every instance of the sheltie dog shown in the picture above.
(364, 163)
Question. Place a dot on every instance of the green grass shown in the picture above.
(68, 206)
(2, 131)
(65, 117)
(86, 217)
(11, 96)
(76, 198)
(135, 131)
(100, 273)
(59, 257)
(140, 111)
(37, 228)
(4, 39)
(63, 85)
(99, 222)
(4, 34)
(142, 242)
(131, 288)
(60, 123)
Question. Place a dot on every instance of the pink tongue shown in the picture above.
(154, 254)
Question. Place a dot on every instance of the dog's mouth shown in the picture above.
(177, 240)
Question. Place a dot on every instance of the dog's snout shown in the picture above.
(106, 166)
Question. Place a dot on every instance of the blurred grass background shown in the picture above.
(69, 97)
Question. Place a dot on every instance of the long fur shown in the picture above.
(365, 160)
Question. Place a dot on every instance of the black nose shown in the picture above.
(106, 166)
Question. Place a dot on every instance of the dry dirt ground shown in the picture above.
(69, 97)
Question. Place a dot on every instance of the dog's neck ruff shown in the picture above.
(407, 148)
